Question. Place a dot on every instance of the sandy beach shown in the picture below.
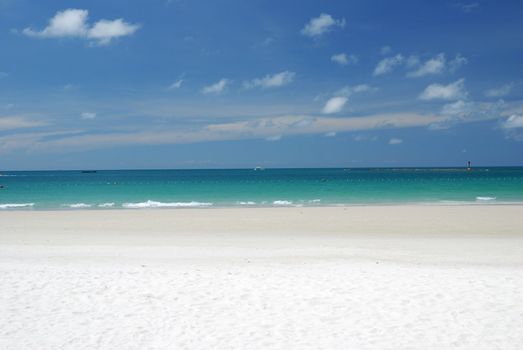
(361, 277)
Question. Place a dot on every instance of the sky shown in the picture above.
(238, 84)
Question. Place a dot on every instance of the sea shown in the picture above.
(138, 189)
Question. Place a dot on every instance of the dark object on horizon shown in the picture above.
(469, 168)
(88, 171)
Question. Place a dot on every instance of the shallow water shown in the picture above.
(250, 188)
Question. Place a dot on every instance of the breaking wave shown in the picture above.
(154, 204)
(16, 205)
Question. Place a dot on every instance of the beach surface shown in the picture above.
(355, 277)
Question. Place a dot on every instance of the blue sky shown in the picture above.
(212, 84)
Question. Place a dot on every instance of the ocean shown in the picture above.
(134, 189)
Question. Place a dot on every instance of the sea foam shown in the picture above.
(281, 202)
(485, 198)
(106, 205)
(78, 205)
(16, 205)
(154, 204)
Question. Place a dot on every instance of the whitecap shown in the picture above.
(78, 205)
(315, 201)
(246, 203)
(282, 202)
(106, 205)
(15, 205)
(485, 198)
(154, 204)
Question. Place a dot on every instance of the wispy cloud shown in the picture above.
(386, 65)
(216, 88)
(176, 85)
(15, 122)
(322, 24)
(343, 59)
(395, 141)
(500, 91)
(452, 91)
(386, 50)
(73, 23)
(271, 80)
(3, 75)
(88, 115)
(466, 7)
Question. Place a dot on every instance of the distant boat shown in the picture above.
(258, 168)
(88, 171)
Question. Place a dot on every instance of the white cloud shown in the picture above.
(452, 91)
(513, 122)
(250, 128)
(321, 25)
(387, 64)
(432, 66)
(216, 88)
(330, 134)
(176, 85)
(73, 23)
(8, 123)
(500, 91)
(334, 105)
(271, 80)
(348, 91)
(105, 30)
(395, 141)
(344, 59)
(88, 115)
(459, 108)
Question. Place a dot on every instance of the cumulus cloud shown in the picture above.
(386, 65)
(216, 88)
(73, 23)
(452, 91)
(88, 115)
(271, 80)
(330, 134)
(344, 59)
(395, 141)
(322, 24)
(334, 105)
(500, 91)
(432, 66)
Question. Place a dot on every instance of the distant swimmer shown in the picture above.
(469, 168)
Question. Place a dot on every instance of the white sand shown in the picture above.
(399, 277)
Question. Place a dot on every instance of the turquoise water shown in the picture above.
(30, 190)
